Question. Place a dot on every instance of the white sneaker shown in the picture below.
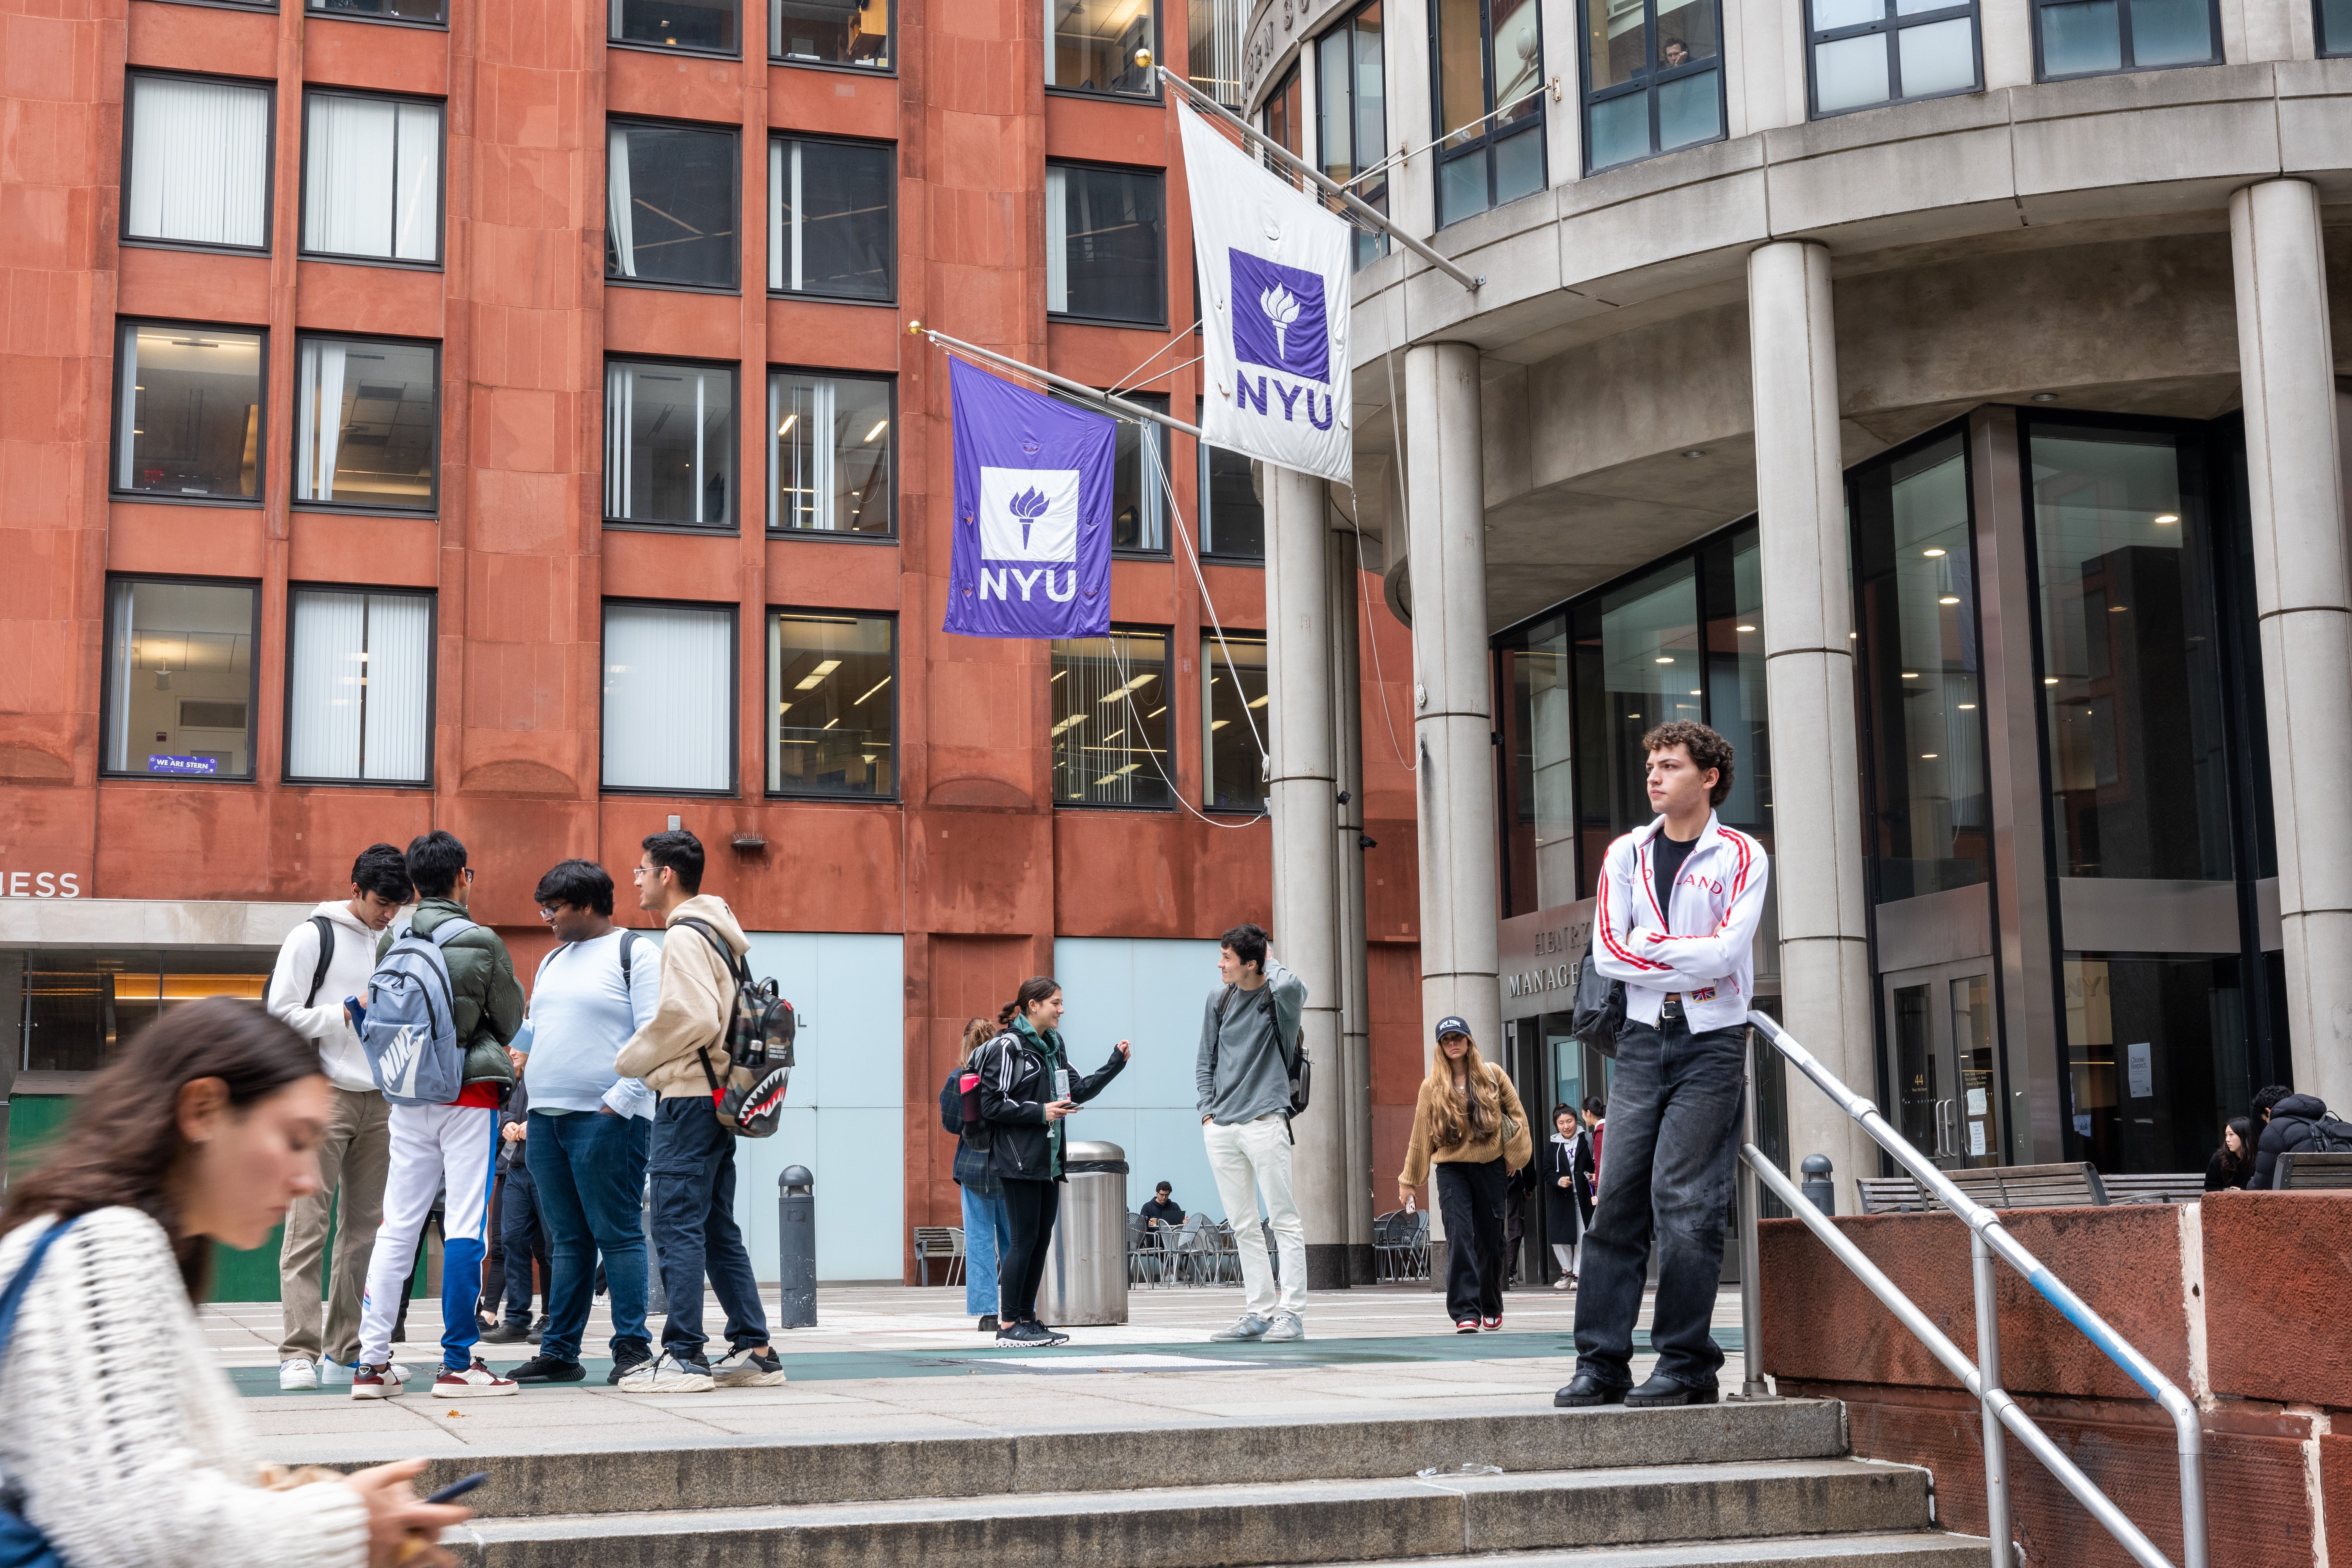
(749, 1369)
(476, 1382)
(1285, 1326)
(334, 1373)
(668, 1374)
(383, 1382)
(1561, 1283)
(295, 1373)
(1248, 1326)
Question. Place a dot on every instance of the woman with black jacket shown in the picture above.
(1563, 1220)
(1023, 1105)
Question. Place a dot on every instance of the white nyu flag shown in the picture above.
(1273, 290)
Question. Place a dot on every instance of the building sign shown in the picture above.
(158, 763)
(1540, 953)
(40, 884)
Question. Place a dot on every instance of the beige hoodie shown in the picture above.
(698, 996)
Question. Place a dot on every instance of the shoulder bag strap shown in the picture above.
(14, 1296)
(326, 928)
(628, 941)
(739, 975)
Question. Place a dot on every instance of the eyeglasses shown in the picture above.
(546, 914)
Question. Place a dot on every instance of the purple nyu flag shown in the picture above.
(1032, 487)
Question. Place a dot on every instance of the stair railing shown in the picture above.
(1987, 1240)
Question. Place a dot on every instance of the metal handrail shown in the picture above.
(1987, 1240)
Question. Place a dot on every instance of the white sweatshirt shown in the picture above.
(340, 1055)
(1702, 945)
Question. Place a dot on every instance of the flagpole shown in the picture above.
(1354, 203)
(1076, 388)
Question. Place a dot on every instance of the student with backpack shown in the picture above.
(987, 1229)
(681, 1054)
(438, 1013)
(1249, 1052)
(2293, 1123)
(324, 963)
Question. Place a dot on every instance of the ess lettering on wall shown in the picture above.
(40, 884)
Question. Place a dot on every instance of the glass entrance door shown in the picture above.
(1946, 1075)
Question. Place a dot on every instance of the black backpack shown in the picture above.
(1302, 1072)
(326, 956)
(2328, 1135)
(758, 1032)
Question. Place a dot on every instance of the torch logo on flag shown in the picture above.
(1033, 495)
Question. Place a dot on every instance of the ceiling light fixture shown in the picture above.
(2045, 397)
(1949, 599)
(2163, 517)
(1743, 629)
(879, 425)
(1932, 553)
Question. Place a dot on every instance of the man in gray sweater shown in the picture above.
(1249, 1032)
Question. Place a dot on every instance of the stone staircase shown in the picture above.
(1759, 1486)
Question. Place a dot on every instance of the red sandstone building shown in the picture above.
(501, 416)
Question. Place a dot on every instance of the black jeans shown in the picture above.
(1674, 1124)
(1030, 1208)
(522, 1240)
(692, 1161)
(1470, 1200)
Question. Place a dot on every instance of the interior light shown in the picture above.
(1932, 553)
(1743, 629)
(2049, 680)
(1664, 659)
(1695, 691)
(1949, 599)
(1263, 700)
(873, 688)
(1968, 707)
(2168, 517)
(1910, 675)
(816, 678)
(2115, 609)
(789, 420)
(879, 425)
(1217, 725)
(1926, 756)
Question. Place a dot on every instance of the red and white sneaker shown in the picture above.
(1465, 1325)
(382, 1381)
(1494, 1322)
(476, 1382)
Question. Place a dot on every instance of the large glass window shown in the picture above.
(2156, 1055)
(669, 444)
(1868, 52)
(82, 1006)
(1215, 58)
(1106, 250)
(829, 449)
(1653, 77)
(1233, 515)
(1638, 664)
(2098, 37)
(384, 10)
(829, 218)
(372, 177)
(367, 423)
(1351, 116)
(1113, 717)
(188, 412)
(1922, 731)
(199, 154)
(1235, 730)
(2130, 655)
(1138, 500)
(669, 205)
(359, 702)
(2332, 26)
(831, 32)
(1091, 45)
(832, 705)
(1539, 830)
(669, 698)
(1489, 98)
(1284, 114)
(179, 678)
(705, 24)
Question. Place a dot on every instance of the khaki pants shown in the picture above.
(352, 1158)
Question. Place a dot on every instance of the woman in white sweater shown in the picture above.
(124, 1443)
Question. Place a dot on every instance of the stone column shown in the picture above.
(1826, 980)
(1300, 791)
(2303, 594)
(1355, 980)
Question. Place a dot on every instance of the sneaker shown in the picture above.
(539, 1329)
(665, 1373)
(1285, 1327)
(1465, 1325)
(377, 1382)
(1248, 1326)
(475, 1381)
(1494, 1322)
(749, 1369)
(334, 1373)
(1047, 1337)
(509, 1333)
(295, 1373)
(548, 1369)
(1019, 1334)
(627, 1358)
(1563, 1282)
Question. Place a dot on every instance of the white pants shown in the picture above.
(1252, 1161)
(437, 1151)
(1566, 1252)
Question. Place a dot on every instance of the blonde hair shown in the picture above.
(976, 1034)
(1466, 1118)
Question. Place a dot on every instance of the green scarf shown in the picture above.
(1049, 1044)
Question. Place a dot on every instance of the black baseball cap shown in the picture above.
(1450, 1024)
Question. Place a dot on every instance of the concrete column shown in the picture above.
(1826, 980)
(1301, 788)
(2303, 594)
(1355, 979)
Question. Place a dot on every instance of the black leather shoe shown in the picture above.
(506, 1333)
(547, 1369)
(1662, 1391)
(988, 1324)
(1587, 1389)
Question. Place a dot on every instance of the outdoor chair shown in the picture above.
(2312, 1171)
(939, 1241)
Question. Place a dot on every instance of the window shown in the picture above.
(1868, 52)
(372, 178)
(1213, 29)
(359, 697)
(367, 423)
(82, 1006)
(2332, 23)
(1489, 74)
(669, 444)
(669, 698)
(831, 32)
(188, 412)
(1105, 250)
(829, 449)
(1653, 77)
(1113, 715)
(199, 153)
(1139, 493)
(1351, 117)
(832, 709)
(829, 206)
(1235, 728)
(1233, 515)
(384, 10)
(1091, 45)
(705, 24)
(179, 678)
(1286, 111)
(681, 229)
(2095, 37)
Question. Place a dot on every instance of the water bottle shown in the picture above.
(1061, 1083)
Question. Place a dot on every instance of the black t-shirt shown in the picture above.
(1666, 857)
(1169, 1213)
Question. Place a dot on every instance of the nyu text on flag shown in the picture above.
(1033, 489)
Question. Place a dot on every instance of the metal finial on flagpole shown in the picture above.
(1143, 59)
(914, 329)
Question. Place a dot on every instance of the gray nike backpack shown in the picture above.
(409, 1030)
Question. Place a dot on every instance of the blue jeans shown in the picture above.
(589, 1169)
(522, 1240)
(693, 1169)
(986, 1234)
(1665, 1171)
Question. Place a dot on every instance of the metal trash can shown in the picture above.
(1085, 1269)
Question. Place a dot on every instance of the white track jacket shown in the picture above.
(1702, 945)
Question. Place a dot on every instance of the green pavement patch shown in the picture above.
(1070, 1360)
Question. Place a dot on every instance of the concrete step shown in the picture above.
(1016, 1462)
(1904, 1549)
(1217, 1527)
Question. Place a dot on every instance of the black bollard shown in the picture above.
(1819, 1190)
(796, 1248)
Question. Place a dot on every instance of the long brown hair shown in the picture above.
(1036, 988)
(1456, 1119)
(124, 1141)
(976, 1034)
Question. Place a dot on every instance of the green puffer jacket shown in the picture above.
(486, 1002)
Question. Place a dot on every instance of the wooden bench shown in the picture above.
(2176, 1187)
(1996, 1187)
(2312, 1173)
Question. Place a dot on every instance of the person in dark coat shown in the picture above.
(2232, 1164)
(1563, 1217)
(2287, 1119)
(1516, 1190)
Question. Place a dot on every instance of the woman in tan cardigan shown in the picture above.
(1469, 1128)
